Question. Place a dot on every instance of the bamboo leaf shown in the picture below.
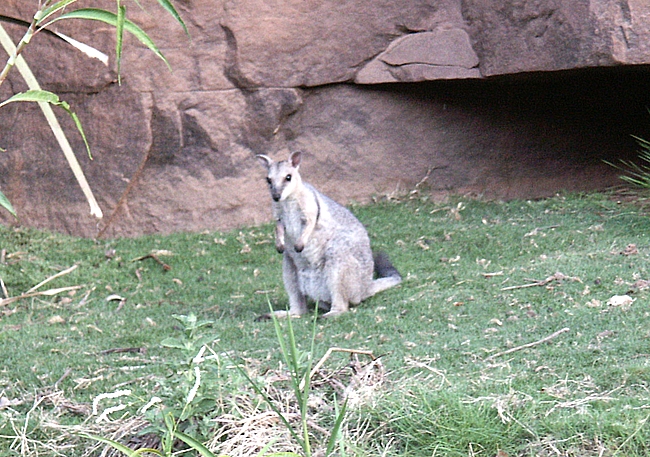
(33, 96)
(110, 18)
(44, 96)
(91, 52)
(171, 10)
(119, 38)
(6, 204)
(32, 83)
(83, 47)
(46, 13)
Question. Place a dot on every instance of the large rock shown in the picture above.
(173, 150)
(548, 35)
(444, 53)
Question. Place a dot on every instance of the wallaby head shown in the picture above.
(283, 177)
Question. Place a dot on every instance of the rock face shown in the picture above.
(424, 56)
(513, 99)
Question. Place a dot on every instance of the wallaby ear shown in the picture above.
(264, 160)
(295, 158)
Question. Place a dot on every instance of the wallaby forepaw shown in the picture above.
(279, 248)
(331, 314)
(299, 246)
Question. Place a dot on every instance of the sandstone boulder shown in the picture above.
(173, 150)
(425, 56)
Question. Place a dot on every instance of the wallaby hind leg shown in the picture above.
(339, 306)
(297, 300)
(337, 288)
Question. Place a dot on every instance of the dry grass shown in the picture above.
(246, 429)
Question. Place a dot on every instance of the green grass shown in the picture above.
(583, 393)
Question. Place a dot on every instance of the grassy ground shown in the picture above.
(480, 279)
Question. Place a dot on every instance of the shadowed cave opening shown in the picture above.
(554, 126)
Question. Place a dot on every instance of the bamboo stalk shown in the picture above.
(32, 83)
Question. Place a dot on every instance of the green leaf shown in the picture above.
(119, 38)
(173, 343)
(33, 96)
(6, 204)
(171, 10)
(120, 447)
(107, 17)
(44, 96)
(194, 444)
(336, 430)
(47, 12)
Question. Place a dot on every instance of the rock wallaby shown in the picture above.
(326, 250)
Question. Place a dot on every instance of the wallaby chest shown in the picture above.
(293, 218)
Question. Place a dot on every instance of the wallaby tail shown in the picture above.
(387, 275)
(383, 267)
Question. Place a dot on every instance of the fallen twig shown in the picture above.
(49, 292)
(154, 256)
(528, 345)
(63, 376)
(140, 350)
(58, 275)
(555, 277)
(3, 290)
(327, 355)
(492, 275)
(581, 402)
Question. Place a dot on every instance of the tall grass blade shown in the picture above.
(268, 401)
(292, 361)
(637, 174)
(336, 430)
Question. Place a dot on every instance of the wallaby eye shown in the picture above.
(268, 180)
(288, 178)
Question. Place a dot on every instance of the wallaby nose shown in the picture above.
(275, 196)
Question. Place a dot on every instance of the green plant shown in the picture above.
(170, 435)
(173, 417)
(475, 286)
(300, 370)
(173, 420)
(48, 13)
(637, 173)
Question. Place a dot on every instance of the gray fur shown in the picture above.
(326, 250)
